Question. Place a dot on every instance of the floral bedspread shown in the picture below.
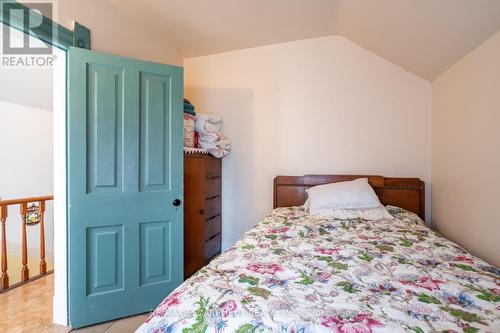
(296, 273)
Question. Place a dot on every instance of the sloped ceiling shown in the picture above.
(423, 36)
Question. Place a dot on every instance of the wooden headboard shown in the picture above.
(407, 193)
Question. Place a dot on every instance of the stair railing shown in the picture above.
(32, 212)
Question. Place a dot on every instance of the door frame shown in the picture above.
(60, 312)
(62, 38)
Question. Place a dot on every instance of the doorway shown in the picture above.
(32, 125)
(117, 161)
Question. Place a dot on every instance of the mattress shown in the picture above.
(296, 273)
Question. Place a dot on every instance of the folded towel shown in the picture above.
(225, 143)
(209, 137)
(212, 128)
(188, 106)
(214, 149)
(208, 123)
(191, 112)
(219, 148)
(211, 118)
(207, 145)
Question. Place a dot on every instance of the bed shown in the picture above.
(297, 273)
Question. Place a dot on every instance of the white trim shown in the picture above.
(60, 302)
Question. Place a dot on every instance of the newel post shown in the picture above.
(4, 277)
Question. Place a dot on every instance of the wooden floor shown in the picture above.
(125, 325)
(28, 309)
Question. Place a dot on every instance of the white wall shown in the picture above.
(115, 32)
(26, 169)
(466, 152)
(322, 105)
(16, 82)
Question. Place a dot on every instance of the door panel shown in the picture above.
(155, 252)
(155, 122)
(105, 122)
(104, 259)
(124, 170)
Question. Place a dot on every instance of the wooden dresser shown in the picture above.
(202, 211)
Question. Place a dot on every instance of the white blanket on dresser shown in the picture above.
(210, 136)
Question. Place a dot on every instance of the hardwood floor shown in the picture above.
(28, 309)
(125, 325)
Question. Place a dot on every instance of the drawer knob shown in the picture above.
(177, 202)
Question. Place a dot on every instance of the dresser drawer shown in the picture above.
(212, 207)
(212, 168)
(202, 211)
(212, 247)
(212, 188)
(212, 227)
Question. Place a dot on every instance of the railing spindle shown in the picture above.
(4, 277)
(23, 205)
(25, 273)
(43, 264)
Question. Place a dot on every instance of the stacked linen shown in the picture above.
(189, 121)
(208, 123)
(188, 107)
(210, 136)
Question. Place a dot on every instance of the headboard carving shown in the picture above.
(407, 193)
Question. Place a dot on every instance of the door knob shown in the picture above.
(177, 202)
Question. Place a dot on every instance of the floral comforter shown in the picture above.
(296, 273)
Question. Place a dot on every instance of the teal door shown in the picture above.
(125, 218)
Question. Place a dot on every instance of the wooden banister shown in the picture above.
(11, 202)
(25, 210)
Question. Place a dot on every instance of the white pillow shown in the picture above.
(356, 194)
